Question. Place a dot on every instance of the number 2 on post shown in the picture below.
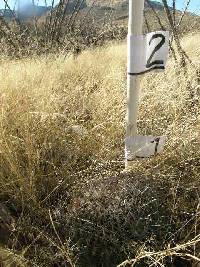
(151, 63)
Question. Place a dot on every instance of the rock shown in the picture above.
(6, 223)
(79, 129)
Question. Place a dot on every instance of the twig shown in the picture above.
(165, 253)
(66, 253)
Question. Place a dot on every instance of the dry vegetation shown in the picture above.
(75, 25)
(64, 198)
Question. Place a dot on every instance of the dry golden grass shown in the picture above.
(60, 116)
(41, 99)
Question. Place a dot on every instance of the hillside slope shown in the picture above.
(31, 10)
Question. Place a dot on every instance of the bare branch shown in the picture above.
(13, 14)
(183, 14)
(156, 15)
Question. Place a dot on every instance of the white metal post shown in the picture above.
(136, 8)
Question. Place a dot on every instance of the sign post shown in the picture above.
(136, 8)
(145, 53)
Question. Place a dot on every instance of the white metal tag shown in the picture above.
(143, 146)
(147, 52)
